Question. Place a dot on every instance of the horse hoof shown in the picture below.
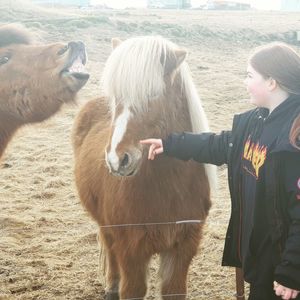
(112, 296)
(6, 166)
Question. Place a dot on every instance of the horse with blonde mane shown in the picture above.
(139, 205)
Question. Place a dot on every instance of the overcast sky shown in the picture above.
(260, 4)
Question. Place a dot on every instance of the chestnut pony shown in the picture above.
(148, 91)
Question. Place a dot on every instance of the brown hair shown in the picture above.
(281, 62)
(295, 133)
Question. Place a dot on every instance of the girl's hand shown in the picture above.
(156, 147)
(284, 292)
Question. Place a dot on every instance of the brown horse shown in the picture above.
(35, 80)
(148, 92)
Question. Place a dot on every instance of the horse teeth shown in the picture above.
(77, 66)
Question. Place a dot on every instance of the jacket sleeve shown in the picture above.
(204, 147)
(287, 273)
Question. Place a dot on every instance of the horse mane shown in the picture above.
(134, 75)
(14, 34)
(197, 115)
(133, 72)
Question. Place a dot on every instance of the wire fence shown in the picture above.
(153, 224)
(188, 296)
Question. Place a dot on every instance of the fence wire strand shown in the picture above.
(164, 223)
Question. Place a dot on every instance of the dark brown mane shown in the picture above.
(14, 34)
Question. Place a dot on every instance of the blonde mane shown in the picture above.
(134, 75)
(198, 117)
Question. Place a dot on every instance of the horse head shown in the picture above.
(35, 79)
(138, 81)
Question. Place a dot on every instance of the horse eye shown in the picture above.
(63, 50)
(4, 60)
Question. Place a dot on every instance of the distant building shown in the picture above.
(169, 4)
(290, 5)
(78, 3)
(226, 5)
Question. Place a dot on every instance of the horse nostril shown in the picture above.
(125, 160)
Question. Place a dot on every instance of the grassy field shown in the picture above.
(48, 247)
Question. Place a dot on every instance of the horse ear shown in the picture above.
(180, 56)
(174, 60)
(115, 42)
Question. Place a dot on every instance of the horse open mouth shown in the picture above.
(77, 69)
(75, 66)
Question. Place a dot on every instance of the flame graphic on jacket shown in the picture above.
(256, 154)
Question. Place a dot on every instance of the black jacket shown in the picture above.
(281, 180)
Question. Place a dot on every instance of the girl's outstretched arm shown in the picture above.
(203, 147)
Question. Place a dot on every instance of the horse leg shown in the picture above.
(133, 276)
(174, 265)
(112, 277)
(112, 273)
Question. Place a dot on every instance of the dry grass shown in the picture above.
(48, 247)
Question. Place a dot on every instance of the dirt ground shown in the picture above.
(48, 247)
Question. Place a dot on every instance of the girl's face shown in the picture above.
(257, 87)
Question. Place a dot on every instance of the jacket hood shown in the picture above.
(288, 111)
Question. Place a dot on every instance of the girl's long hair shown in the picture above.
(280, 62)
(295, 133)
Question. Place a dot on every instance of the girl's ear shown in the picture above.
(272, 84)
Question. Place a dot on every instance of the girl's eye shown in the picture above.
(63, 50)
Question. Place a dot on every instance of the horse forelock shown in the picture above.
(134, 72)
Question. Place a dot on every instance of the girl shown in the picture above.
(263, 160)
